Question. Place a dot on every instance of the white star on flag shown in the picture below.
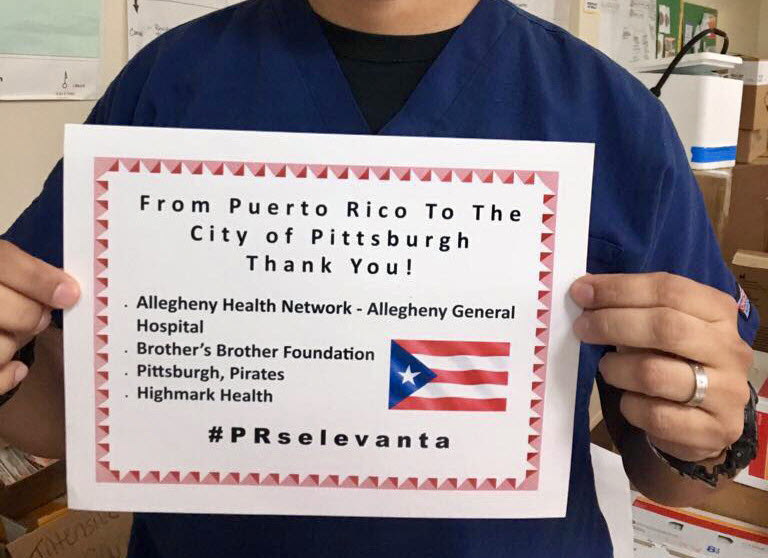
(408, 376)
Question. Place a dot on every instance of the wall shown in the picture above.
(31, 133)
(762, 34)
(737, 17)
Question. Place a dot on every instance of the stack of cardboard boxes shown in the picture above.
(753, 128)
(734, 522)
(737, 202)
(737, 199)
(744, 232)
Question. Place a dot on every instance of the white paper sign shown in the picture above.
(321, 325)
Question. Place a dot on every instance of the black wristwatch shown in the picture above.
(26, 355)
(737, 457)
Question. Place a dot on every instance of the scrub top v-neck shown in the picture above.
(503, 74)
(383, 70)
(427, 104)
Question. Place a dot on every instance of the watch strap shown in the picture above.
(737, 456)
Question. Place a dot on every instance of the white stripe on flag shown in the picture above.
(481, 391)
(462, 363)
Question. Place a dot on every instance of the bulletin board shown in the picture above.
(668, 28)
(695, 19)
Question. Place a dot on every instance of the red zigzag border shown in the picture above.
(104, 165)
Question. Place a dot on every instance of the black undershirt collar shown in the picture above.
(383, 70)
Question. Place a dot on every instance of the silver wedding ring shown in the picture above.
(702, 384)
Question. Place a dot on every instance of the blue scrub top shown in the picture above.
(265, 65)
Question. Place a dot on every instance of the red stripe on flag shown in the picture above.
(471, 377)
(454, 348)
(451, 404)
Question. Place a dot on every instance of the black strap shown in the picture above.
(737, 457)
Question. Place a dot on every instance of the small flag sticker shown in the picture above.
(745, 306)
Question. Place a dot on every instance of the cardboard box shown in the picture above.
(753, 144)
(754, 104)
(746, 227)
(20, 498)
(693, 533)
(740, 502)
(754, 107)
(76, 535)
(751, 270)
(715, 186)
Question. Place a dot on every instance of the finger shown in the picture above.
(681, 451)
(8, 347)
(688, 426)
(654, 290)
(36, 279)
(11, 375)
(662, 329)
(651, 374)
(20, 314)
(666, 377)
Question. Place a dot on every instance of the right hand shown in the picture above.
(29, 290)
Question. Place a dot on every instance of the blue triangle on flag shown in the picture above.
(407, 374)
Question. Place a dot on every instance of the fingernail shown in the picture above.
(45, 321)
(581, 326)
(20, 373)
(583, 293)
(65, 295)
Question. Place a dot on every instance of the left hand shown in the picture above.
(659, 323)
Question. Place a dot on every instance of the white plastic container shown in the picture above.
(704, 107)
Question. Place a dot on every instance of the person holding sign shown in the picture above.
(665, 324)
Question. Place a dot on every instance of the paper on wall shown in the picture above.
(628, 30)
(148, 19)
(665, 20)
(49, 50)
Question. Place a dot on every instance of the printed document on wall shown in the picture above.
(148, 19)
(628, 30)
(50, 49)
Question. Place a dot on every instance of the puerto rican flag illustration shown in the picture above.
(448, 376)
